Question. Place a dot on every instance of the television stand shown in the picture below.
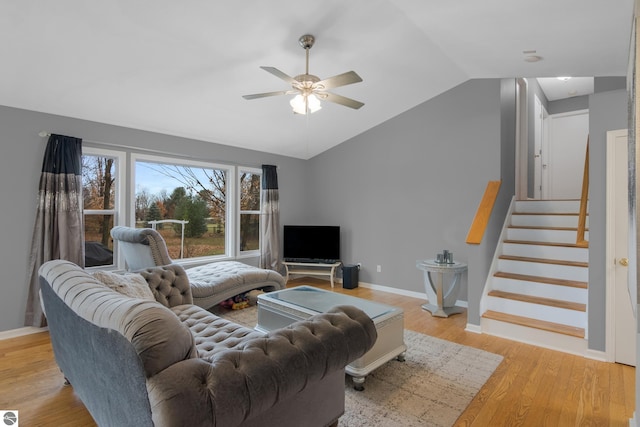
(311, 269)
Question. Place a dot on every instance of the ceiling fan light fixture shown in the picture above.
(310, 89)
(301, 104)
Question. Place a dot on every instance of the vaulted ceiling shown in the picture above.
(181, 67)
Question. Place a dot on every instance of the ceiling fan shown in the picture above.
(309, 89)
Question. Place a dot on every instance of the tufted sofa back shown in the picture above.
(157, 335)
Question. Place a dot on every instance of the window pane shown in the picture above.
(249, 232)
(249, 191)
(172, 192)
(98, 182)
(97, 240)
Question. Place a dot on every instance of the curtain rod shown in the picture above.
(44, 134)
(172, 154)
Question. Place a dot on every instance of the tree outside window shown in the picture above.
(249, 211)
(183, 192)
(99, 195)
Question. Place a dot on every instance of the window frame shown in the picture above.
(119, 201)
(254, 252)
(230, 170)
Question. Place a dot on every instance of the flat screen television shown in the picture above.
(311, 243)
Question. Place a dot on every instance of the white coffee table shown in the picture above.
(281, 308)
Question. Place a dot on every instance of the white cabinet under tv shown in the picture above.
(311, 269)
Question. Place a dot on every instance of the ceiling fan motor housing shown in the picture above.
(307, 41)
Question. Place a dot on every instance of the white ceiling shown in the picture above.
(181, 67)
(555, 88)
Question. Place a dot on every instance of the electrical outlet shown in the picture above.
(379, 269)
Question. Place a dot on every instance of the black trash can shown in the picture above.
(350, 276)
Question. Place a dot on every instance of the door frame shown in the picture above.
(541, 145)
(609, 251)
(522, 138)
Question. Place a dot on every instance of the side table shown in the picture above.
(444, 297)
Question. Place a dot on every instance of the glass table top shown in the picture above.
(321, 301)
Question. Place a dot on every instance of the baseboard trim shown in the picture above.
(14, 333)
(596, 355)
(476, 329)
(389, 289)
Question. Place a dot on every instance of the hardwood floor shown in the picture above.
(532, 387)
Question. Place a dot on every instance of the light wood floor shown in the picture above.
(532, 387)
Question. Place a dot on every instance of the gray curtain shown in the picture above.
(58, 231)
(270, 221)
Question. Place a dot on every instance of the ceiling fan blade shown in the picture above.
(279, 74)
(264, 95)
(343, 79)
(342, 100)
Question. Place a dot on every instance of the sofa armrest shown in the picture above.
(238, 384)
(169, 284)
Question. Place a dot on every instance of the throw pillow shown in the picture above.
(130, 284)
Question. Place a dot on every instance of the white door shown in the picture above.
(568, 135)
(623, 316)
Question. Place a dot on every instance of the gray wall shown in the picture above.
(409, 188)
(568, 104)
(402, 191)
(21, 160)
(607, 111)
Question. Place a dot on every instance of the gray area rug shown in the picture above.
(432, 387)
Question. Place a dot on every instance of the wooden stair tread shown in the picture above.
(535, 323)
(545, 261)
(540, 279)
(548, 213)
(535, 242)
(542, 227)
(569, 305)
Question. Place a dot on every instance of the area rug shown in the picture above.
(432, 387)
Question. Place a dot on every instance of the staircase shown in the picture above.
(537, 287)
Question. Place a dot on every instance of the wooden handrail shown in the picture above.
(584, 198)
(480, 221)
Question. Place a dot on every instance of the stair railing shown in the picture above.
(480, 221)
(582, 216)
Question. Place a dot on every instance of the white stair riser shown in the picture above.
(554, 341)
(537, 311)
(544, 290)
(546, 221)
(548, 206)
(544, 251)
(566, 272)
(556, 236)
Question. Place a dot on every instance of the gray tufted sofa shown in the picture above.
(136, 362)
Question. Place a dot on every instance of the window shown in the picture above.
(187, 202)
(202, 209)
(101, 191)
(249, 210)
